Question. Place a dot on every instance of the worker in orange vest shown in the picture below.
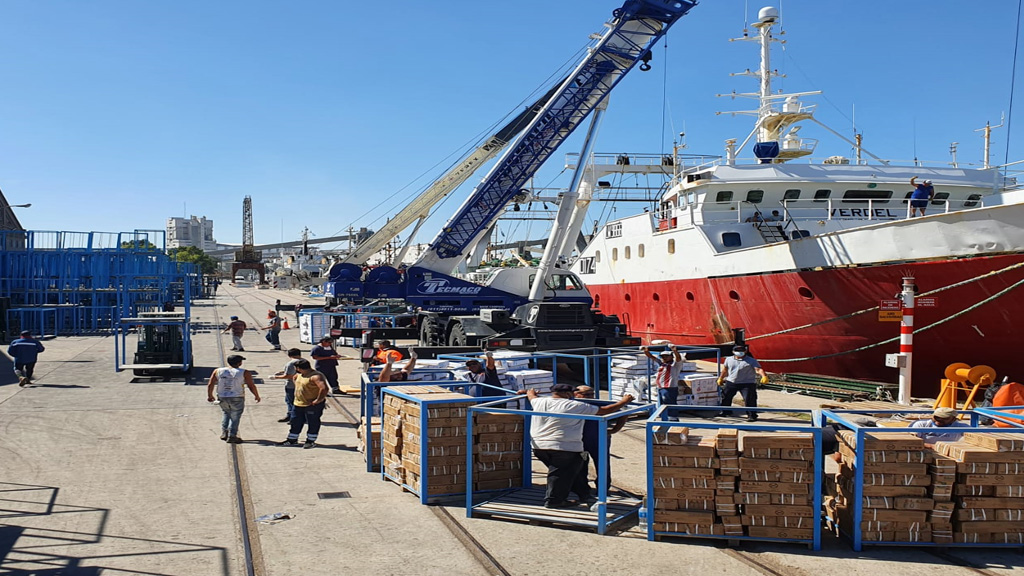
(384, 351)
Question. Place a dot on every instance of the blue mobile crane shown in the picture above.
(494, 308)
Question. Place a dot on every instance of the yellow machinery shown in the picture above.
(960, 376)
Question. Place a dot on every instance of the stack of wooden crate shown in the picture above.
(903, 482)
(776, 480)
(369, 440)
(686, 474)
(497, 451)
(989, 489)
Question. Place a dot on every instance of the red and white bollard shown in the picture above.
(907, 338)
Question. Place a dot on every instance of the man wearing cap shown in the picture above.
(667, 378)
(230, 383)
(326, 362)
(921, 195)
(25, 351)
(558, 443)
(592, 430)
(482, 374)
(237, 329)
(741, 373)
(310, 399)
(941, 418)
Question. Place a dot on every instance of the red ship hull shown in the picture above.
(704, 311)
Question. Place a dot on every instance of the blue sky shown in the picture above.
(115, 115)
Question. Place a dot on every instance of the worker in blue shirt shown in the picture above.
(921, 196)
(25, 351)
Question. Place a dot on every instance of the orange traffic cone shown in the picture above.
(284, 326)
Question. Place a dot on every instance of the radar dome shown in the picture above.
(768, 14)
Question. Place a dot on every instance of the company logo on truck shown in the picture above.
(442, 287)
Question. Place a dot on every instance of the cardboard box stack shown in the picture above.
(369, 440)
(695, 479)
(497, 451)
(776, 483)
(630, 375)
(530, 379)
(442, 462)
(698, 389)
(988, 493)
(907, 489)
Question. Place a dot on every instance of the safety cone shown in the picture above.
(284, 326)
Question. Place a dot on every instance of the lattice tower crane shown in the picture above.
(248, 258)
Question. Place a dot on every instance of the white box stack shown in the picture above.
(703, 389)
(531, 379)
(631, 375)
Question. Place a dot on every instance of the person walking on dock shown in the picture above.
(310, 399)
(289, 372)
(237, 329)
(274, 327)
(326, 362)
(741, 373)
(229, 383)
(25, 351)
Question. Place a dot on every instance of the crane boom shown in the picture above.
(633, 29)
(420, 207)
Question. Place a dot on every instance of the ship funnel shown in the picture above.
(767, 14)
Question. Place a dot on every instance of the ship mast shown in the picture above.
(767, 18)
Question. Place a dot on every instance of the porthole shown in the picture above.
(629, 298)
(806, 293)
(597, 256)
(689, 296)
(615, 254)
(597, 300)
(640, 251)
(656, 297)
(627, 252)
(672, 246)
(734, 296)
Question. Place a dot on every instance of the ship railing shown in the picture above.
(686, 161)
(674, 217)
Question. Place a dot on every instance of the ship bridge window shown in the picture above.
(755, 196)
(862, 196)
(792, 194)
(731, 239)
(723, 196)
(939, 198)
(972, 200)
(822, 195)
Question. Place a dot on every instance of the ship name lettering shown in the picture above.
(876, 213)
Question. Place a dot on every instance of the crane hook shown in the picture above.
(645, 65)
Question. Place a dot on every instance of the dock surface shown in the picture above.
(105, 473)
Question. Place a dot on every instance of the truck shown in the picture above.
(539, 308)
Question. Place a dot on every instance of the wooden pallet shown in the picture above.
(527, 504)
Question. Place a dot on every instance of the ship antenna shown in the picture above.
(1013, 78)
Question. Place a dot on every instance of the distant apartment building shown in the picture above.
(192, 231)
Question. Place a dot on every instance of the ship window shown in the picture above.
(672, 246)
(906, 199)
(792, 194)
(822, 195)
(640, 251)
(627, 252)
(597, 256)
(731, 239)
(937, 200)
(628, 298)
(862, 196)
(723, 196)
(656, 297)
(615, 254)
(806, 293)
(798, 234)
(734, 295)
(755, 196)
(972, 200)
(597, 300)
(689, 296)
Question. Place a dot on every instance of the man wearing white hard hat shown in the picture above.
(921, 196)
